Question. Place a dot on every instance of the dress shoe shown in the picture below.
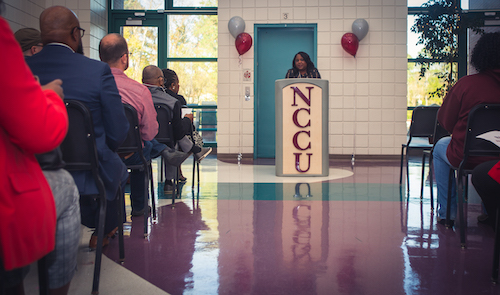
(168, 189)
(174, 158)
(443, 222)
(140, 212)
(182, 179)
(93, 242)
(201, 155)
(105, 240)
(482, 218)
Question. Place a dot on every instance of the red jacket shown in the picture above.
(468, 92)
(31, 121)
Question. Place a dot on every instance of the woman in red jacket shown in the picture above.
(32, 120)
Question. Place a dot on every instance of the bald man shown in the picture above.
(113, 50)
(91, 82)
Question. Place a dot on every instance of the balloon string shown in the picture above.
(240, 85)
(355, 120)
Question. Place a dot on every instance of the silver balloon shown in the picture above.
(236, 26)
(360, 28)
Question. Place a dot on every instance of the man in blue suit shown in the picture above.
(91, 82)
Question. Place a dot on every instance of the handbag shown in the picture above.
(196, 138)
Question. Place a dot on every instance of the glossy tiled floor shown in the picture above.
(354, 232)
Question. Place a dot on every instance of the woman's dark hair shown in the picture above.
(307, 59)
(486, 54)
(170, 77)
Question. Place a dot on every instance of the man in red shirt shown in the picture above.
(113, 50)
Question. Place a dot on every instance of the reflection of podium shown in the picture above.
(301, 127)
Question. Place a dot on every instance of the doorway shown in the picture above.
(275, 48)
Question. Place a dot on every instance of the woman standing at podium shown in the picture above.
(302, 67)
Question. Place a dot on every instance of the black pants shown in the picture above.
(487, 188)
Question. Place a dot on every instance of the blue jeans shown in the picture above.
(151, 150)
(442, 169)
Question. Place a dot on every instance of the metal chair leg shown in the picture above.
(121, 209)
(153, 199)
(496, 249)
(448, 201)
(146, 201)
(401, 166)
(422, 178)
(43, 276)
(431, 180)
(98, 253)
(194, 169)
(198, 177)
(460, 196)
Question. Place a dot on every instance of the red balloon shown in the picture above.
(243, 43)
(350, 43)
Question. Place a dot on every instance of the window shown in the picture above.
(177, 34)
(138, 4)
(195, 3)
(191, 36)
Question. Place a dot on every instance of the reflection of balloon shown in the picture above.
(350, 43)
(243, 43)
(360, 28)
(236, 26)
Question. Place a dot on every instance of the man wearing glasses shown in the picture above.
(90, 82)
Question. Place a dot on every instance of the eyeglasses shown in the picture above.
(82, 31)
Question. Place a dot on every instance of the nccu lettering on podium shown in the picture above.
(301, 127)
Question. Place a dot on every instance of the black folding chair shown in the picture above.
(439, 132)
(482, 119)
(422, 125)
(43, 276)
(133, 144)
(165, 136)
(80, 154)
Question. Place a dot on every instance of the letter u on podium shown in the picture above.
(301, 127)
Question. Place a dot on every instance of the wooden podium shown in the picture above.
(301, 127)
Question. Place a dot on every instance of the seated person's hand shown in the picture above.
(55, 86)
(190, 116)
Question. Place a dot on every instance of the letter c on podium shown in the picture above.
(296, 120)
(295, 140)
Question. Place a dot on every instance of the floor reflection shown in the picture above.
(357, 234)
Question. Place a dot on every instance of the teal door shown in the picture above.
(275, 48)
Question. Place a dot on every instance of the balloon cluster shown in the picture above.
(350, 41)
(243, 41)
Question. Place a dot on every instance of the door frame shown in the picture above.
(257, 29)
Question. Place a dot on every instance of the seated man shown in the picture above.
(30, 40)
(152, 77)
(91, 82)
(113, 50)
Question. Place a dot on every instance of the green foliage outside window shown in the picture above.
(194, 36)
(439, 29)
(143, 47)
